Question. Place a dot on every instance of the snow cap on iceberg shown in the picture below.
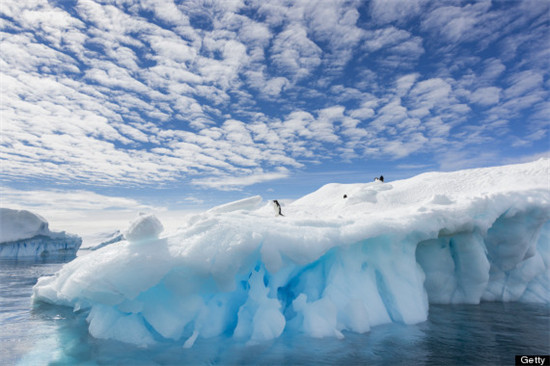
(21, 224)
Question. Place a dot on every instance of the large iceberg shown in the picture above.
(24, 234)
(344, 258)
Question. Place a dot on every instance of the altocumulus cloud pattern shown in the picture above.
(225, 94)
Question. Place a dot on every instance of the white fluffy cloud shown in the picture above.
(227, 183)
(72, 200)
(486, 96)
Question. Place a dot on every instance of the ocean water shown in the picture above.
(485, 334)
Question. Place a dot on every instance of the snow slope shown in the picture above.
(24, 234)
(331, 264)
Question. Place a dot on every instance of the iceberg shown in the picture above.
(344, 258)
(106, 239)
(24, 234)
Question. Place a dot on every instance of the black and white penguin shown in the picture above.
(277, 207)
(381, 179)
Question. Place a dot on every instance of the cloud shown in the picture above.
(273, 87)
(399, 148)
(334, 23)
(71, 200)
(429, 93)
(390, 114)
(363, 113)
(268, 87)
(294, 54)
(162, 94)
(493, 68)
(523, 83)
(404, 83)
(87, 213)
(166, 11)
(398, 48)
(383, 38)
(229, 183)
(386, 11)
(486, 96)
(456, 24)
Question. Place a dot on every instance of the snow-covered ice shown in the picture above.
(100, 240)
(24, 234)
(144, 228)
(330, 265)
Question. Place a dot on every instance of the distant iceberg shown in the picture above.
(24, 234)
(344, 258)
(101, 240)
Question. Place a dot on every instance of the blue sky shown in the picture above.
(161, 104)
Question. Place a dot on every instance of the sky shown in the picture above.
(112, 107)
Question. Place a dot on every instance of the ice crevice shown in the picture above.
(389, 251)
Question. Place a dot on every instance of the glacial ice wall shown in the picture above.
(24, 234)
(40, 246)
(344, 258)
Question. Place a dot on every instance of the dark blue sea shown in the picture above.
(485, 334)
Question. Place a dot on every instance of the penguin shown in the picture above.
(381, 179)
(345, 196)
(277, 207)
